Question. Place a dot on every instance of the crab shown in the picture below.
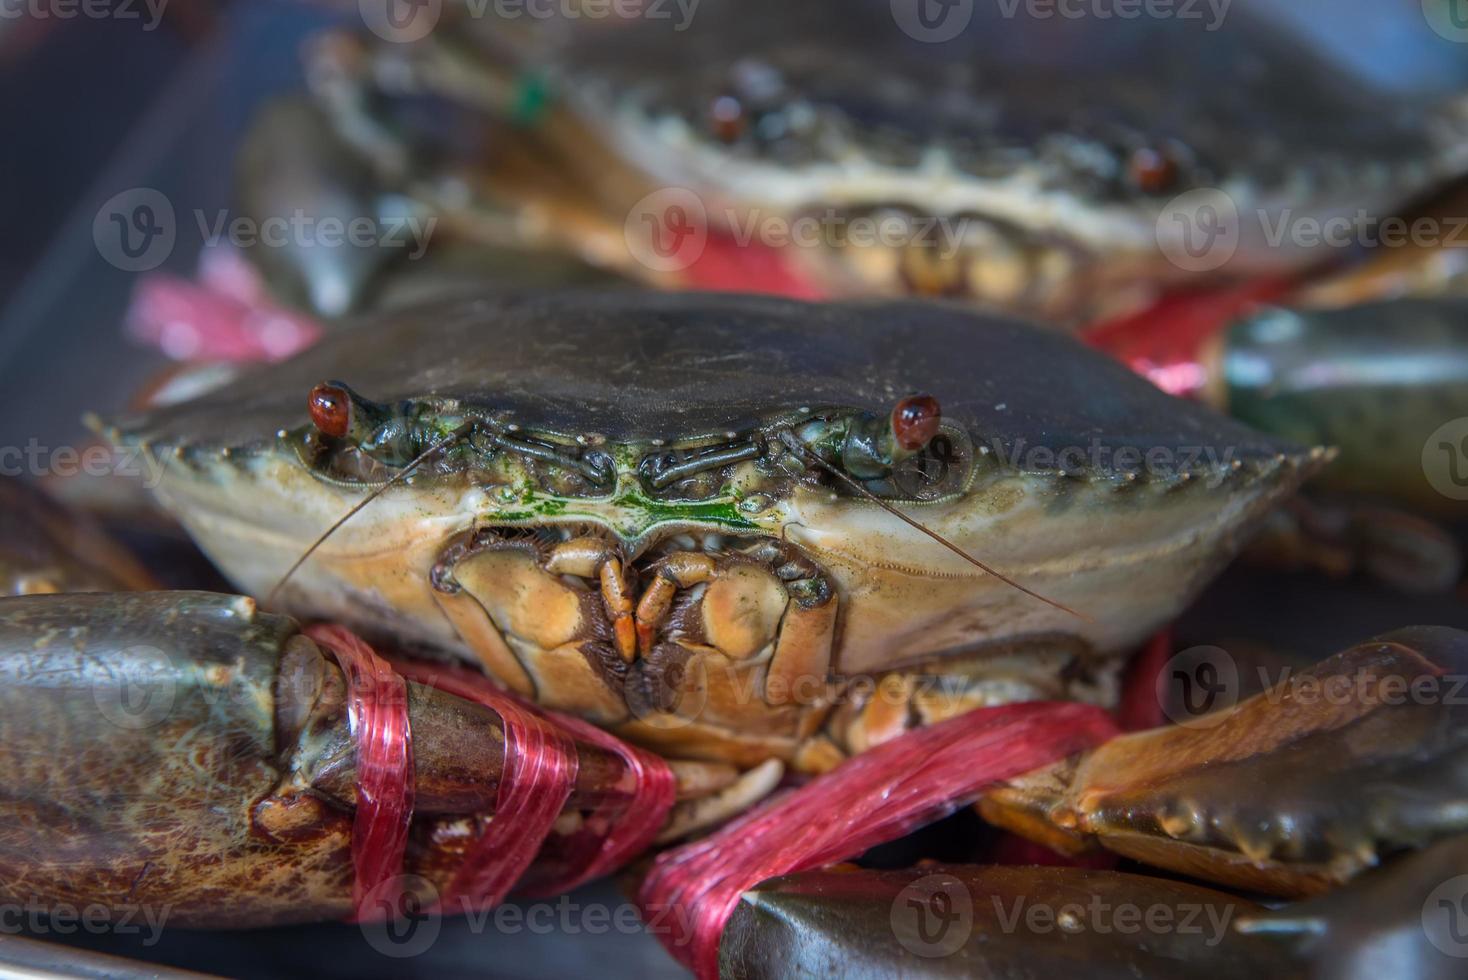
(1018, 175)
(1066, 169)
(759, 538)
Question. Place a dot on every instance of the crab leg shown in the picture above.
(1290, 792)
(991, 921)
(999, 922)
(46, 547)
(184, 751)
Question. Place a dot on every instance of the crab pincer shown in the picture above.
(185, 751)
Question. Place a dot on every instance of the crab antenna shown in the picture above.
(397, 478)
(790, 440)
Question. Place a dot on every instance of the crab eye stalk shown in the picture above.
(727, 119)
(874, 445)
(1152, 170)
(915, 421)
(331, 409)
(381, 431)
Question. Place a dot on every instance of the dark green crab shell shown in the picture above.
(1154, 497)
(638, 368)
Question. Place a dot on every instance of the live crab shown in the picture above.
(753, 535)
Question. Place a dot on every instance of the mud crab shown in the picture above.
(1036, 164)
(701, 522)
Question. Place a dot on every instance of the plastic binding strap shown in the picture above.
(537, 778)
(377, 710)
(869, 799)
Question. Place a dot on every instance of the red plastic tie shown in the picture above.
(1141, 706)
(536, 779)
(872, 798)
(377, 710)
(615, 831)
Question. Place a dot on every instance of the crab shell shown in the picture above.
(1082, 482)
(1010, 143)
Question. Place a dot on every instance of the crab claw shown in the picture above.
(47, 547)
(1289, 792)
(993, 922)
(186, 752)
(1408, 914)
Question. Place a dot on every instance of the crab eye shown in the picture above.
(915, 421)
(331, 410)
(1151, 170)
(727, 119)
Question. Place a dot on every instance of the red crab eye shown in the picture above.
(915, 421)
(331, 409)
(727, 119)
(1152, 171)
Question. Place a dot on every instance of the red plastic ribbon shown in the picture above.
(536, 779)
(377, 710)
(615, 833)
(1165, 343)
(538, 776)
(872, 798)
(1141, 707)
